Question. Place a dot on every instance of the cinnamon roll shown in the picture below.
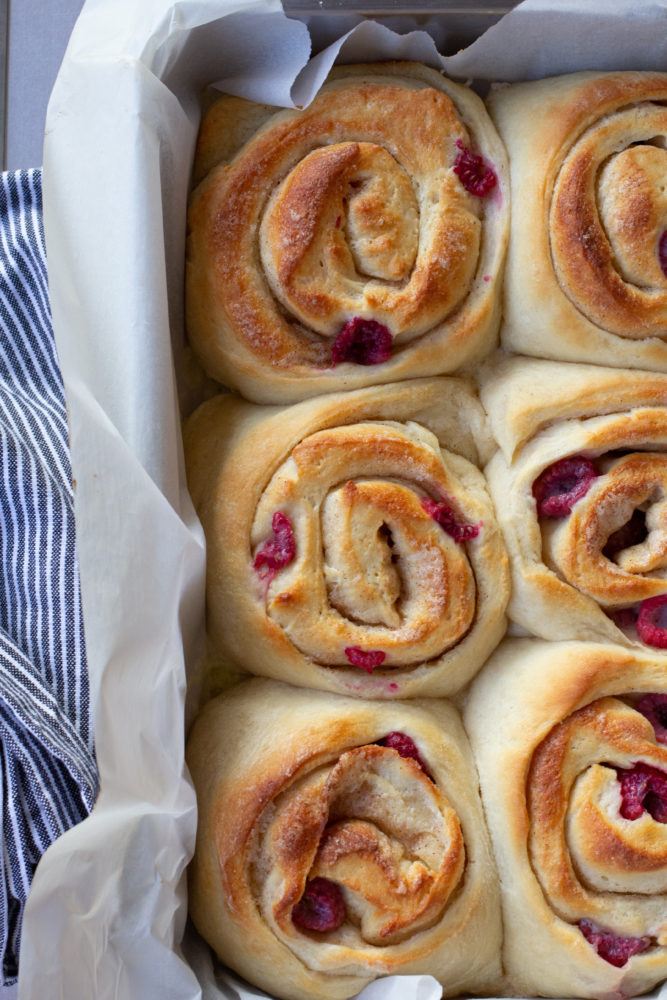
(574, 785)
(351, 542)
(357, 241)
(340, 840)
(580, 485)
(586, 276)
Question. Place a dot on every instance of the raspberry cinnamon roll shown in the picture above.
(338, 841)
(580, 485)
(574, 785)
(351, 542)
(586, 276)
(359, 240)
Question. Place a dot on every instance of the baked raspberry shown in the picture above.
(279, 550)
(633, 532)
(368, 660)
(654, 707)
(652, 621)
(403, 745)
(444, 515)
(662, 252)
(611, 947)
(476, 175)
(321, 908)
(624, 618)
(643, 789)
(558, 488)
(362, 341)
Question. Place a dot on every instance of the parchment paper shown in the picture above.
(107, 911)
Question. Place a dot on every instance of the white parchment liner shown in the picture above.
(107, 910)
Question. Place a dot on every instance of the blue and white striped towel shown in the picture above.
(48, 774)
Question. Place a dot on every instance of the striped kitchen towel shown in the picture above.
(48, 772)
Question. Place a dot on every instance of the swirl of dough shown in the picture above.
(349, 546)
(587, 269)
(374, 571)
(589, 857)
(396, 857)
(575, 789)
(580, 484)
(578, 545)
(337, 857)
(608, 214)
(348, 211)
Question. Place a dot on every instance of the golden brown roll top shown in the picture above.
(340, 840)
(356, 241)
(351, 542)
(574, 784)
(581, 495)
(586, 277)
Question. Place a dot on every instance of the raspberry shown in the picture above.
(643, 789)
(652, 621)
(321, 908)
(279, 550)
(403, 745)
(474, 173)
(624, 618)
(612, 948)
(654, 707)
(558, 488)
(444, 515)
(362, 341)
(662, 252)
(367, 660)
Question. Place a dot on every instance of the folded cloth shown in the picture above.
(48, 772)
